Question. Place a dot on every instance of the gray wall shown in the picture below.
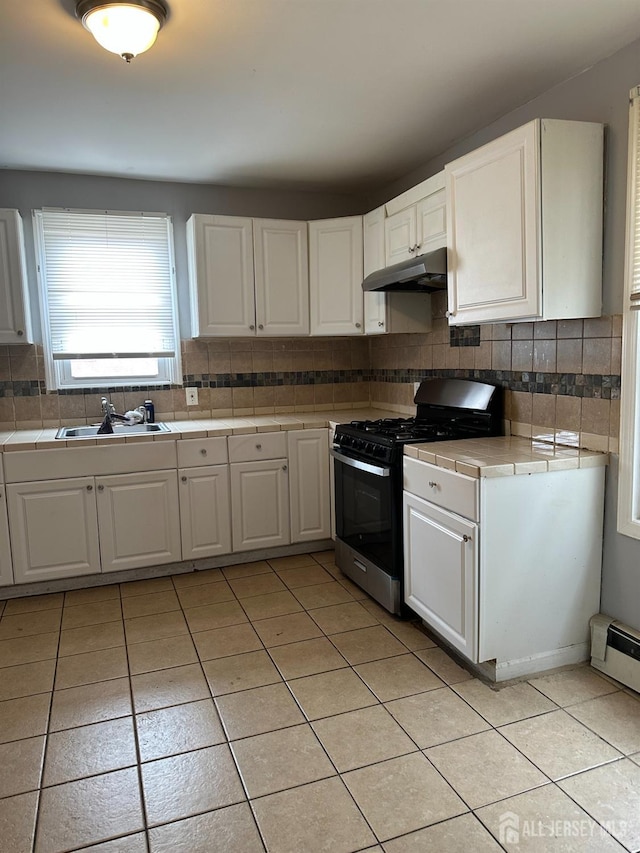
(29, 190)
(599, 94)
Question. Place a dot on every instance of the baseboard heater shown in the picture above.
(615, 650)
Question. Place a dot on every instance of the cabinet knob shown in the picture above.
(183, 478)
(466, 538)
(258, 447)
(89, 488)
(284, 467)
(410, 249)
(203, 451)
(101, 488)
(433, 484)
(357, 325)
(261, 326)
(449, 313)
(20, 333)
(380, 323)
(252, 328)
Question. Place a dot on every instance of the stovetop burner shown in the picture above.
(446, 409)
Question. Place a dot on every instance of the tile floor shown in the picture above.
(274, 706)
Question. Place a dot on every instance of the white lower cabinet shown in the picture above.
(84, 525)
(54, 529)
(505, 569)
(138, 520)
(205, 518)
(309, 485)
(259, 504)
(184, 500)
(442, 585)
(6, 563)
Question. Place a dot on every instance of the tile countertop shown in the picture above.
(504, 456)
(46, 438)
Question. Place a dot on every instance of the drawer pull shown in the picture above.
(258, 447)
(360, 566)
(433, 484)
(203, 452)
(466, 538)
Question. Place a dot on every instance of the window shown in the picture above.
(629, 484)
(107, 291)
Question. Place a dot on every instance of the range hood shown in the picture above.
(423, 274)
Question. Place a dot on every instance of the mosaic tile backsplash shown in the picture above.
(561, 378)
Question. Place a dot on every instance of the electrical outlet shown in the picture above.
(192, 396)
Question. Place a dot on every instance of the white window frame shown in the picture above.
(58, 372)
(629, 471)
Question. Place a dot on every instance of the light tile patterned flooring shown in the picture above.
(274, 706)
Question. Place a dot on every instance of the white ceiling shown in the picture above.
(309, 94)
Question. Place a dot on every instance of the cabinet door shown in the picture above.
(220, 251)
(205, 519)
(332, 485)
(259, 504)
(335, 276)
(139, 520)
(440, 552)
(375, 304)
(493, 230)
(282, 277)
(6, 565)
(431, 222)
(15, 318)
(54, 529)
(309, 485)
(400, 235)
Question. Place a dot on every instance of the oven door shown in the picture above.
(368, 509)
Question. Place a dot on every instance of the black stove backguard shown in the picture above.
(368, 477)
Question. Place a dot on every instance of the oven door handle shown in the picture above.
(360, 465)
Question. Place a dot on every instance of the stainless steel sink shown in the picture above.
(118, 429)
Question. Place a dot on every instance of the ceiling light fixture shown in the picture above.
(126, 28)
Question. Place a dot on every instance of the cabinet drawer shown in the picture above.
(455, 492)
(260, 445)
(194, 452)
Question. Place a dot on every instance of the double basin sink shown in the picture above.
(118, 429)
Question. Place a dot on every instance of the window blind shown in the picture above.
(108, 284)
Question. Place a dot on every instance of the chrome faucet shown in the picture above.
(107, 407)
(135, 416)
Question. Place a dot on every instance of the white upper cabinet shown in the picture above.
(375, 304)
(248, 276)
(221, 275)
(389, 312)
(15, 317)
(335, 276)
(416, 221)
(524, 225)
(282, 277)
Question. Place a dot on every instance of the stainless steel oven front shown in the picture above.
(368, 497)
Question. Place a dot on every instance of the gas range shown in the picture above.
(447, 409)
(368, 476)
